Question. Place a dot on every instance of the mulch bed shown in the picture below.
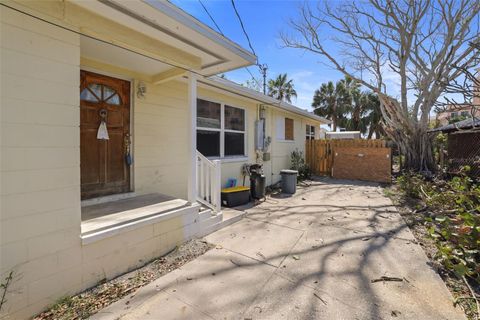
(415, 218)
(89, 302)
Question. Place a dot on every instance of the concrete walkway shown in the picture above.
(310, 256)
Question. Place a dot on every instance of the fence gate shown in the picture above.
(356, 159)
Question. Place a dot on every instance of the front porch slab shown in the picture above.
(103, 220)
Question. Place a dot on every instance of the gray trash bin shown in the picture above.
(289, 181)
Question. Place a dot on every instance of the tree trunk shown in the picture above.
(334, 116)
(370, 132)
(418, 151)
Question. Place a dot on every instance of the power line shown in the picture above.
(263, 68)
(220, 30)
(211, 18)
(243, 27)
(254, 79)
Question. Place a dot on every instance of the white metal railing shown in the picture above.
(208, 182)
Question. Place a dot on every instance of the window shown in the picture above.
(464, 114)
(220, 129)
(453, 114)
(285, 129)
(288, 129)
(100, 93)
(310, 132)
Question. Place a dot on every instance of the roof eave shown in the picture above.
(267, 99)
(190, 21)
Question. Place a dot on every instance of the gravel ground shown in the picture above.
(87, 303)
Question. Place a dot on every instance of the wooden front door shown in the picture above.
(103, 166)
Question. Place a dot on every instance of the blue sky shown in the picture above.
(264, 20)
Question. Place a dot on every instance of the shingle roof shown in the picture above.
(461, 125)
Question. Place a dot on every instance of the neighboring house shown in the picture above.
(453, 113)
(343, 135)
(77, 208)
(476, 96)
(463, 145)
(322, 133)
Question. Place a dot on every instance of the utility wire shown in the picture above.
(253, 77)
(243, 27)
(220, 30)
(211, 18)
(250, 45)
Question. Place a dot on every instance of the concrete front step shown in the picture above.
(204, 214)
(228, 217)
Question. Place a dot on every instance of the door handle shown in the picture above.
(128, 156)
(127, 142)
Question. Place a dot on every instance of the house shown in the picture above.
(453, 113)
(463, 145)
(343, 135)
(116, 139)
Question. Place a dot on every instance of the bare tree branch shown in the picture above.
(425, 44)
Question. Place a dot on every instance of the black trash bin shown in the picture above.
(257, 181)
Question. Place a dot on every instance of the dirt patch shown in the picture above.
(414, 213)
(89, 302)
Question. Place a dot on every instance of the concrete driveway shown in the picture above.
(310, 256)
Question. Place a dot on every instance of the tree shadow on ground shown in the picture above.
(375, 236)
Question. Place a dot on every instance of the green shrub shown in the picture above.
(410, 184)
(298, 163)
(455, 220)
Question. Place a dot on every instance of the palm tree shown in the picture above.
(333, 101)
(281, 89)
(374, 118)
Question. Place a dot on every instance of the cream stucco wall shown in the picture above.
(160, 135)
(281, 149)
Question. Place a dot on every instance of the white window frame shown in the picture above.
(222, 129)
(309, 134)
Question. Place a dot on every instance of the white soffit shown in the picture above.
(165, 22)
(112, 55)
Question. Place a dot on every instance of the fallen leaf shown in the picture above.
(396, 313)
(296, 257)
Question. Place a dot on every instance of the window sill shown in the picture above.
(230, 159)
(286, 141)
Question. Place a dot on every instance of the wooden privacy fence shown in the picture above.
(367, 159)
